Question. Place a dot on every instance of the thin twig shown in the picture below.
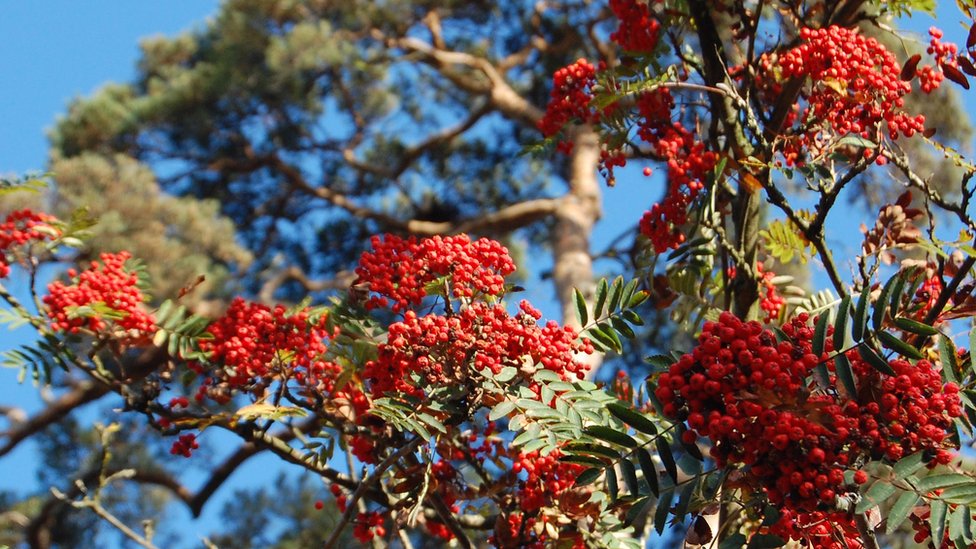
(364, 485)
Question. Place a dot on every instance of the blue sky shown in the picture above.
(56, 50)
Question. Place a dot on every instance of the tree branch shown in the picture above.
(501, 95)
(365, 485)
(86, 392)
(507, 218)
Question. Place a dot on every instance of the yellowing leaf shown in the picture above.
(262, 410)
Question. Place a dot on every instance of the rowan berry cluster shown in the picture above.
(399, 269)
(108, 284)
(946, 54)
(820, 529)
(433, 350)
(569, 100)
(253, 345)
(23, 227)
(368, 526)
(927, 296)
(856, 89)
(752, 397)
(184, 445)
(470, 339)
(518, 529)
(688, 166)
(546, 479)
(638, 30)
(771, 302)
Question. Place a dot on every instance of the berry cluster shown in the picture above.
(946, 55)
(771, 303)
(184, 445)
(253, 345)
(569, 100)
(753, 398)
(688, 166)
(399, 269)
(546, 479)
(820, 529)
(106, 285)
(472, 337)
(436, 350)
(638, 31)
(368, 526)
(927, 296)
(20, 228)
(856, 87)
(340, 497)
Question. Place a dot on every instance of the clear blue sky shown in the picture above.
(55, 50)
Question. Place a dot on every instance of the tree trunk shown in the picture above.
(572, 261)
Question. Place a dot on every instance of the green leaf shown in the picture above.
(881, 306)
(900, 510)
(649, 470)
(944, 480)
(501, 410)
(592, 449)
(842, 367)
(581, 314)
(964, 494)
(894, 301)
(972, 347)
(611, 435)
(506, 374)
(765, 541)
(915, 327)
(605, 336)
(820, 333)
(622, 328)
(660, 362)
(855, 140)
(631, 417)
(636, 300)
(840, 324)
(735, 541)
(629, 473)
(612, 487)
(667, 458)
(663, 510)
(908, 465)
(880, 491)
(431, 421)
(632, 317)
(959, 525)
(589, 461)
(629, 292)
(589, 476)
(860, 314)
(531, 432)
(601, 298)
(616, 292)
(899, 346)
(875, 360)
(947, 355)
(937, 518)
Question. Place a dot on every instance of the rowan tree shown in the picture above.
(825, 420)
